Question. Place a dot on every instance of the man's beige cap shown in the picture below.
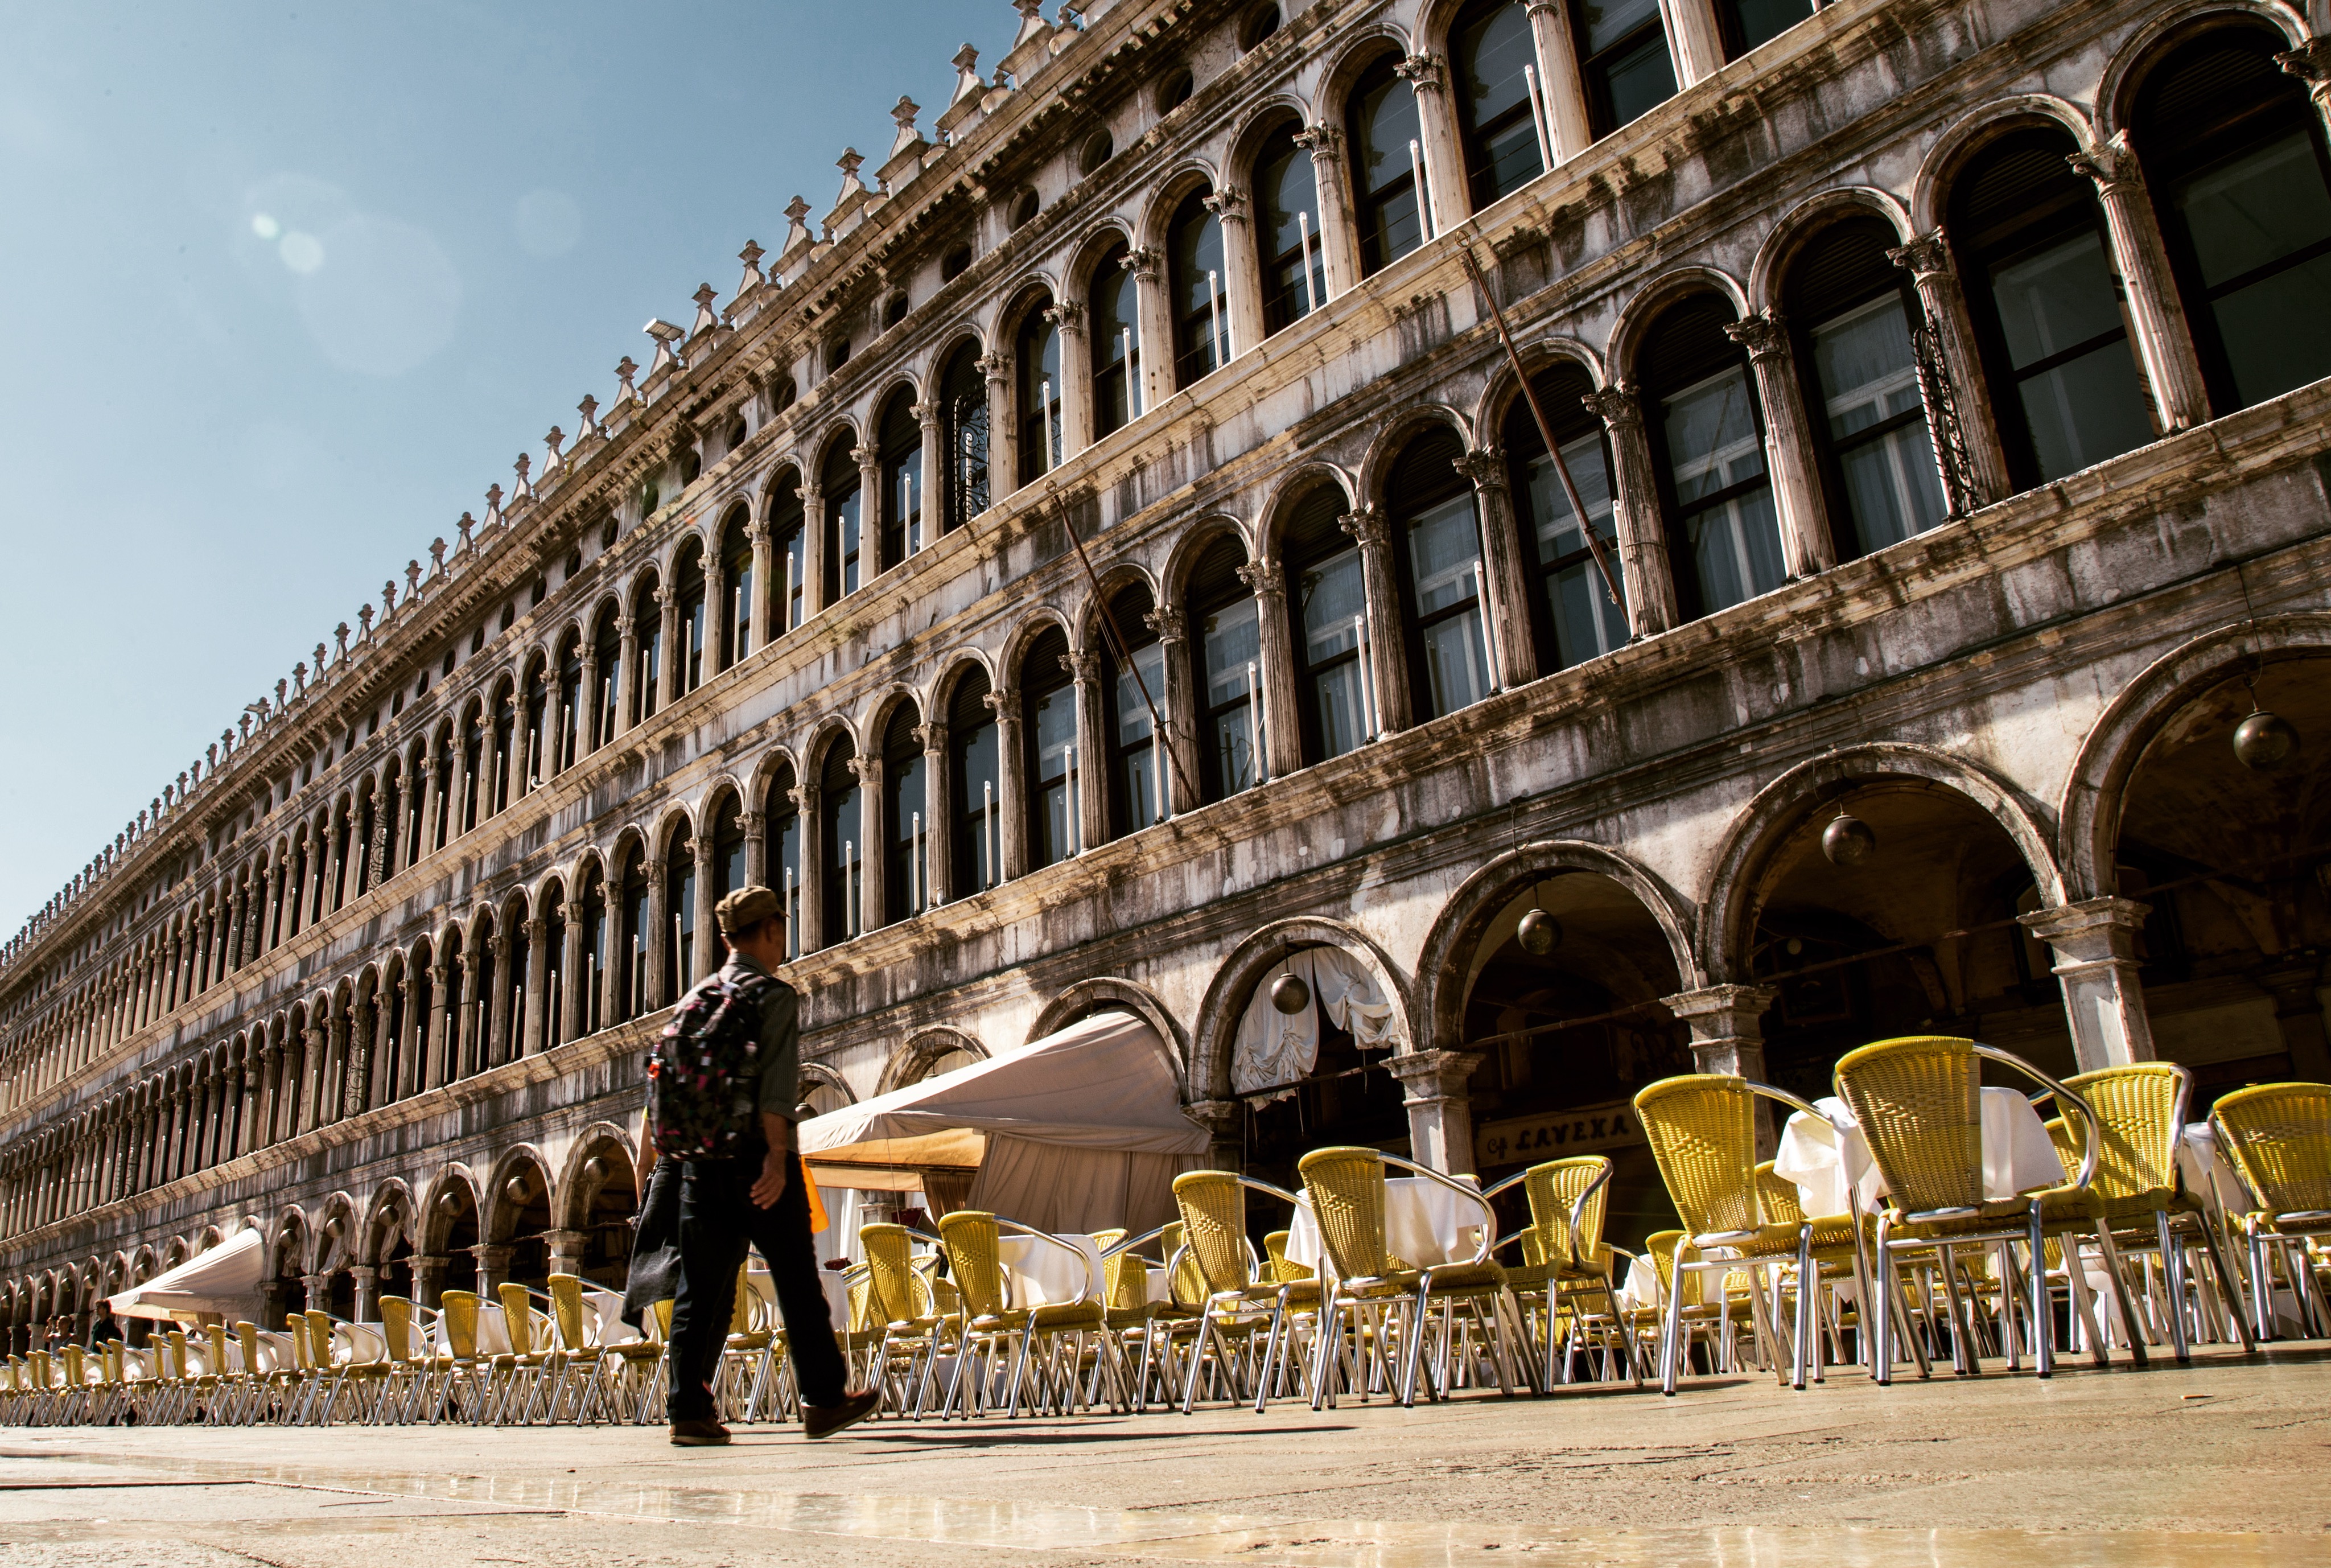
(745, 908)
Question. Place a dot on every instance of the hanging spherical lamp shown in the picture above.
(2264, 741)
(517, 1189)
(1539, 933)
(1290, 993)
(1848, 841)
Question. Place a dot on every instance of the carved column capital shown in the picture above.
(1366, 524)
(1264, 577)
(1004, 702)
(1422, 72)
(804, 797)
(1764, 334)
(867, 771)
(1924, 257)
(1325, 143)
(1228, 204)
(866, 456)
(994, 366)
(1083, 665)
(1143, 263)
(1169, 622)
(931, 736)
(1616, 406)
(1067, 314)
(751, 822)
(927, 415)
(2109, 163)
(1484, 468)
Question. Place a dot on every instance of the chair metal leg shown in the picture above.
(1668, 1340)
(2118, 1277)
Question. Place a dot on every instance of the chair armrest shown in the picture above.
(2091, 1142)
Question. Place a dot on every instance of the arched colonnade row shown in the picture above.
(433, 1011)
(1448, 565)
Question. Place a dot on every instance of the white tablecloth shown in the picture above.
(835, 1283)
(1425, 1224)
(494, 1329)
(2207, 1173)
(1825, 1154)
(1043, 1275)
(358, 1343)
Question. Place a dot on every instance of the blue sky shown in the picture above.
(287, 286)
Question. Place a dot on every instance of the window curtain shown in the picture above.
(1279, 1047)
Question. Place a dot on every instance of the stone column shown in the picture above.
(2165, 344)
(1283, 734)
(1806, 545)
(1649, 581)
(873, 505)
(539, 1001)
(814, 543)
(1695, 39)
(356, 1096)
(718, 654)
(931, 500)
(493, 1267)
(1155, 313)
(1089, 777)
(1179, 706)
(319, 1291)
(1339, 244)
(1439, 1107)
(1387, 671)
(429, 1278)
(367, 1278)
(493, 761)
(1242, 277)
(1568, 122)
(709, 951)
(1011, 780)
(1068, 318)
(1941, 302)
(572, 1004)
(1506, 567)
(938, 813)
(433, 809)
(761, 605)
(314, 1070)
(757, 845)
(627, 675)
(659, 934)
(2311, 63)
(1451, 199)
(496, 1027)
(873, 846)
(566, 1250)
(2096, 960)
(1727, 1037)
(1224, 1121)
(668, 687)
(1003, 438)
(444, 1036)
(812, 935)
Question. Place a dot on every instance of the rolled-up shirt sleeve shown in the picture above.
(781, 1053)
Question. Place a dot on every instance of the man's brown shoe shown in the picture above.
(822, 1421)
(698, 1434)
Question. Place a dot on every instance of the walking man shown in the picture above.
(752, 1195)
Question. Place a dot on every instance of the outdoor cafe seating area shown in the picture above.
(1949, 1209)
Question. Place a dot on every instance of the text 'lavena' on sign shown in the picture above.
(1585, 1130)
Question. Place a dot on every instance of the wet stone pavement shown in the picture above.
(2227, 1462)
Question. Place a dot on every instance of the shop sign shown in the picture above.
(1529, 1140)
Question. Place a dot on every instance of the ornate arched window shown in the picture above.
(1193, 250)
(1622, 59)
(1497, 118)
(533, 764)
(416, 811)
(1571, 617)
(647, 660)
(1707, 442)
(552, 992)
(679, 913)
(2235, 160)
(1036, 358)
(737, 581)
(1049, 728)
(727, 865)
(447, 814)
(1388, 164)
(977, 786)
(593, 952)
(963, 409)
(391, 826)
(1850, 310)
(567, 746)
(606, 699)
(842, 844)
(1137, 770)
(789, 547)
(782, 825)
(844, 513)
(1437, 533)
(1225, 648)
(688, 587)
(476, 790)
(632, 939)
(1116, 341)
(508, 765)
(2032, 251)
(1327, 608)
(901, 441)
(1290, 255)
(906, 826)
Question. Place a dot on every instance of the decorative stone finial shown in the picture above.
(340, 640)
(754, 276)
(320, 663)
(523, 467)
(707, 319)
(279, 687)
(300, 676)
(589, 409)
(967, 75)
(462, 527)
(849, 163)
(797, 234)
(436, 556)
(554, 439)
(902, 115)
(364, 622)
(625, 371)
(412, 579)
(387, 600)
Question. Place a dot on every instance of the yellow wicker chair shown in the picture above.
(2278, 1138)
(2140, 1111)
(1702, 1129)
(463, 1364)
(1919, 1100)
(903, 1316)
(1347, 1188)
(989, 1325)
(1565, 1260)
(1212, 1205)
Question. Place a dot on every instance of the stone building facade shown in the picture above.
(1943, 378)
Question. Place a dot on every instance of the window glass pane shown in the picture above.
(845, 849)
(2267, 355)
(1493, 58)
(2256, 209)
(1444, 552)
(1736, 549)
(1764, 19)
(846, 515)
(1056, 731)
(978, 840)
(1333, 598)
(1456, 662)
(1139, 764)
(1867, 374)
(2085, 411)
(2057, 299)
(907, 495)
(1639, 79)
(1609, 20)
(1712, 433)
(1133, 726)
(1392, 222)
(1585, 622)
(1232, 645)
(1286, 211)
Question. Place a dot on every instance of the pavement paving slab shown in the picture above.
(2226, 1461)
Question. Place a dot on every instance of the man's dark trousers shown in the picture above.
(717, 1221)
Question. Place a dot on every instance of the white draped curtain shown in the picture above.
(1277, 1048)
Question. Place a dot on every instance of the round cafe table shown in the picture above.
(1425, 1224)
(1827, 1156)
(1043, 1275)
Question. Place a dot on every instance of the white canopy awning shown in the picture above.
(225, 1279)
(1105, 1083)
